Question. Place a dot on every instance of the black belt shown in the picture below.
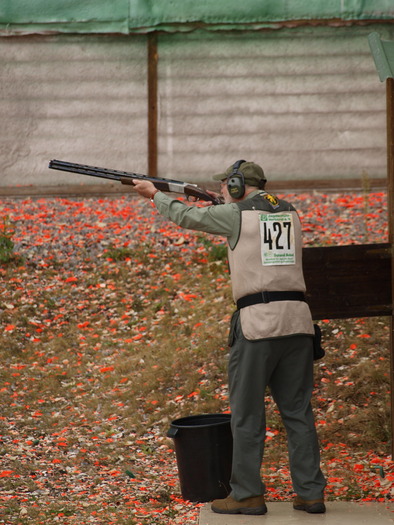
(268, 297)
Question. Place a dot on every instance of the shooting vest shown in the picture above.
(268, 258)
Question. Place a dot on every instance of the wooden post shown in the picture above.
(390, 205)
(152, 104)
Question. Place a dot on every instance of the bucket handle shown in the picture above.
(172, 432)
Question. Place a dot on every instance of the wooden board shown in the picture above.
(348, 281)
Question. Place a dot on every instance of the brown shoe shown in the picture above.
(254, 505)
(313, 506)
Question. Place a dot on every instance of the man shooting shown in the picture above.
(271, 332)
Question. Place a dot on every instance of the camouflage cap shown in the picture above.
(253, 173)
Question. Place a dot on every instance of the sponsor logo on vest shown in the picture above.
(272, 200)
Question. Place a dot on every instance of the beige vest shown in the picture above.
(251, 272)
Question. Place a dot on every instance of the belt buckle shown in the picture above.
(266, 297)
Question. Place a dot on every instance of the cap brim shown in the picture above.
(219, 176)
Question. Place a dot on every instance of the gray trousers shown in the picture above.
(286, 366)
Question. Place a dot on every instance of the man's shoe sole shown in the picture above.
(316, 508)
(250, 511)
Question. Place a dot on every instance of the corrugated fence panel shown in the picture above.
(76, 98)
(305, 103)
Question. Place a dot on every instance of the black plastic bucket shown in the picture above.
(203, 447)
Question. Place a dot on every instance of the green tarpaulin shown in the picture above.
(383, 55)
(125, 16)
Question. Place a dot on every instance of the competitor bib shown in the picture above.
(277, 239)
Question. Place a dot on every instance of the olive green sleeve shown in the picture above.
(222, 219)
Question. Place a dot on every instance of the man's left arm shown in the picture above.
(222, 219)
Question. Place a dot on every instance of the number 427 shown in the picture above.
(277, 235)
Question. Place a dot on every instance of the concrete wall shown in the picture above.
(76, 98)
(306, 103)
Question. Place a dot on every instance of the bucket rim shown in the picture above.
(182, 421)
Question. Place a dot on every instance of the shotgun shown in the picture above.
(168, 185)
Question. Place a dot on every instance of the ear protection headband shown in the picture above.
(236, 181)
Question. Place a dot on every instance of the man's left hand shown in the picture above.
(145, 188)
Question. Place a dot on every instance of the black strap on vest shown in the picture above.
(268, 297)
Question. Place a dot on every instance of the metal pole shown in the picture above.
(152, 104)
(390, 204)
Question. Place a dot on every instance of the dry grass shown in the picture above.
(178, 367)
(137, 341)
